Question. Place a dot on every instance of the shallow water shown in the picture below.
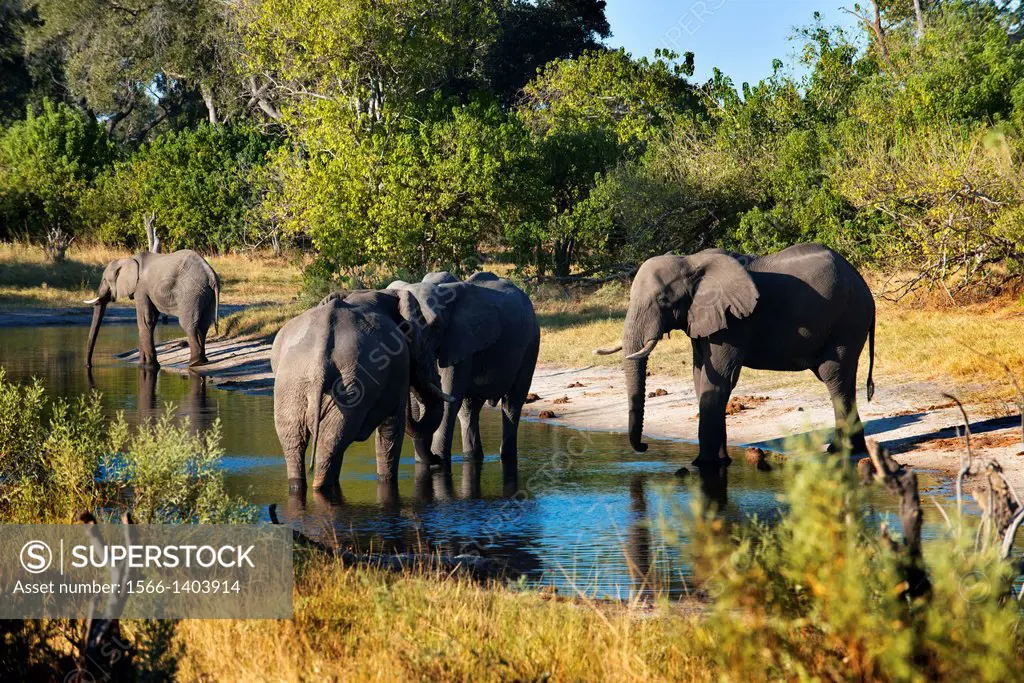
(588, 514)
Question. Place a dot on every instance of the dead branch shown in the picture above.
(875, 25)
(103, 651)
(902, 481)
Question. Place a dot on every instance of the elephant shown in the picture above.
(181, 283)
(489, 351)
(343, 369)
(803, 308)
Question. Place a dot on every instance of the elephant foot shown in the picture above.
(702, 461)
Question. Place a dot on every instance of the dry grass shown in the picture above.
(28, 279)
(361, 624)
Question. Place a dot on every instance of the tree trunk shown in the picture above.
(920, 18)
(211, 106)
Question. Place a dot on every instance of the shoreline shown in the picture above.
(910, 417)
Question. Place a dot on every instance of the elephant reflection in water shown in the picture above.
(194, 405)
(639, 546)
(327, 517)
(638, 540)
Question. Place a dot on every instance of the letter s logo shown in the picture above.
(36, 557)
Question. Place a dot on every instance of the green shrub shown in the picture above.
(821, 594)
(61, 458)
(47, 164)
(195, 183)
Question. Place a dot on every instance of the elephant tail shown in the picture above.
(871, 359)
(216, 306)
(315, 406)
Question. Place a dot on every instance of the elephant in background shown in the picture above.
(490, 340)
(343, 369)
(803, 308)
(181, 284)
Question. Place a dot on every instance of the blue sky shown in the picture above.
(740, 37)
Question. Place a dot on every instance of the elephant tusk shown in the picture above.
(91, 301)
(644, 352)
(609, 351)
(436, 390)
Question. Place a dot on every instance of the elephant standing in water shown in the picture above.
(488, 354)
(803, 308)
(181, 284)
(344, 369)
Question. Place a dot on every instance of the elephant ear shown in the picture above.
(474, 323)
(722, 286)
(127, 279)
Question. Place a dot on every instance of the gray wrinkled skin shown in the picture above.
(488, 354)
(181, 283)
(345, 368)
(803, 308)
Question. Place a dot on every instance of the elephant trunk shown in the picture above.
(636, 386)
(431, 411)
(99, 308)
(642, 332)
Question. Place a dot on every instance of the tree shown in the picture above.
(47, 164)
(373, 57)
(195, 184)
(532, 34)
(144, 65)
(586, 115)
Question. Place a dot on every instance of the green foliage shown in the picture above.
(585, 116)
(146, 66)
(48, 162)
(821, 594)
(413, 194)
(61, 458)
(197, 185)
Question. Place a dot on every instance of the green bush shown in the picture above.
(48, 162)
(195, 183)
(822, 595)
(61, 458)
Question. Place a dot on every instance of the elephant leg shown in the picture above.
(840, 377)
(719, 374)
(294, 438)
(336, 435)
(511, 411)
(147, 317)
(390, 434)
(471, 470)
(469, 417)
(197, 352)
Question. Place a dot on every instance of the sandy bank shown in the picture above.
(911, 417)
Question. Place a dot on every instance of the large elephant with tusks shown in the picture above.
(803, 308)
